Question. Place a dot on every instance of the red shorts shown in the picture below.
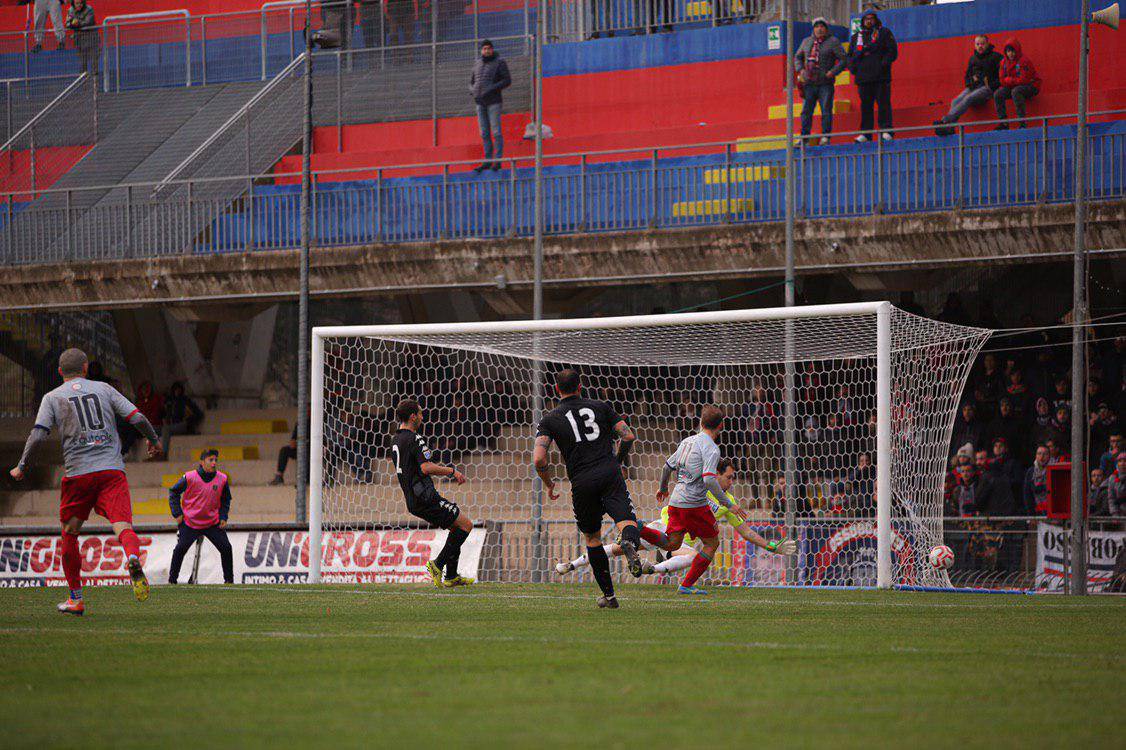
(104, 491)
(699, 522)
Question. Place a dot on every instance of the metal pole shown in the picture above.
(303, 298)
(883, 447)
(1078, 566)
(790, 459)
(539, 548)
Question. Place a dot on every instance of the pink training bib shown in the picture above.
(201, 499)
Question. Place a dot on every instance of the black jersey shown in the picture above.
(584, 431)
(409, 452)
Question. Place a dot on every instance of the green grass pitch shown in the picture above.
(539, 666)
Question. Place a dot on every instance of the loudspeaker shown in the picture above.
(1106, 16)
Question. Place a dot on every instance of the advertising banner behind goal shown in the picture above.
(264, 557)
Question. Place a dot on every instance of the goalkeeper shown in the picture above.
(681, 557)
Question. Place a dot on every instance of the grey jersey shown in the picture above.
(82, 412)
(695, 458)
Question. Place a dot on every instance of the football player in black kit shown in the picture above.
(414, 469)
(585, 430)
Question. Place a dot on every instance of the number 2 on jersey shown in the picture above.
(398, 468)
(592, 431)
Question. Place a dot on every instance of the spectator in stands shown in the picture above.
(371, 21)
(993, 495)
(1042, 427)
(862, 481)
(960, 500)
(988, 386)
(982, 79)
(1061, 396)
(1005, 467)
(181, 416)
(968, 430)
(1007, 426)
(1104, 423)
(54, 9)
(490, 76)
(80, 20)
(286, 453)
(401, 21)
(1116, 487)
(1019, 82)
(151, 404)
(1061, 428)
(872, 51)
(819, 59)
(1108, 459)
(1017, 392)
(1097, 494)
(1056, 454)
(336, 24)
(1036, 484)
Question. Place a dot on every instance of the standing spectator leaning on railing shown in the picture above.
(983, 77)
(490, 76)
(80, 20)
(42, 9)
(819, 59)
(1019, 82)
(871, 53)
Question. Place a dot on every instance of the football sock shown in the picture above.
(581, 561)
(130, 543)
(654, 537)
(631, 534)
(700, 563)
(673, 564)
(72, 565)
(600, 568)
(451, 552)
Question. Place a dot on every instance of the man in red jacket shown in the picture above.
(1019, 82)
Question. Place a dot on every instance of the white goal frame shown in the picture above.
(881, 310)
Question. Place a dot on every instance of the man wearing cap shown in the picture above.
(819, 60)
(490, 76)
(200, 502)
(872, 51)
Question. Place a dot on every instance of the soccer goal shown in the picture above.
(838, 422)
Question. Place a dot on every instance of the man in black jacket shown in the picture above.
(490, 76)
(982, 79)
(872, 50)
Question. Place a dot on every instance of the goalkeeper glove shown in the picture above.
(783, 546)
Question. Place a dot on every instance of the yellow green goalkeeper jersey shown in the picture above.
(721, 513)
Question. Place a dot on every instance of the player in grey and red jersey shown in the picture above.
(83, 412)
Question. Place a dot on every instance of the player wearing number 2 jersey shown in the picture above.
(585, 431)
(414, 467)
(83, 412)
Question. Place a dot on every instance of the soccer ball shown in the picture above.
(941, 557)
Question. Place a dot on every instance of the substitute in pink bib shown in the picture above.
(200, 502)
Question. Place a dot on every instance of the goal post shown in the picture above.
(874, 396)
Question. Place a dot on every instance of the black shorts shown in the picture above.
(435, 510)
(605, 494)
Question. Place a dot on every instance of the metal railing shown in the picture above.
(43, 146)
(573, 20)
(624, 190)
(251, 45)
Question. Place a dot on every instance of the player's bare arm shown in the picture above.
(539, 460)
(663, 487)
(625, 441)
(38, 435)
(431, 469)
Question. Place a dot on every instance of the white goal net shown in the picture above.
(813, 442)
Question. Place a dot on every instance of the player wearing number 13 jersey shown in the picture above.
(585, 430)
(83, 413)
